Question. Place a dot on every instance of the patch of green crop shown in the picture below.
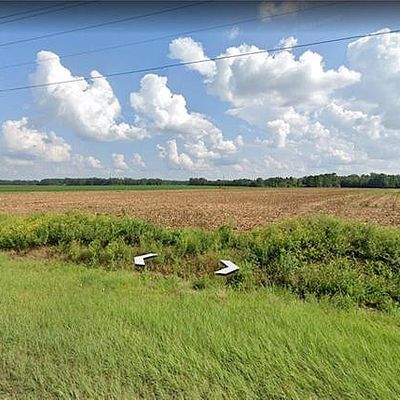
(84, 188)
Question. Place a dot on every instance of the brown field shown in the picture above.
(241, 208)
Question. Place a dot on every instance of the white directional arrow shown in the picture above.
(139, 260)
(230, 267)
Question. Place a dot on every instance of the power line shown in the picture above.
(117, 21)
(52, 10)
(29, 11)
(218, 58)
(172, 35)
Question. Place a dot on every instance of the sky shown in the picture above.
(308, 110)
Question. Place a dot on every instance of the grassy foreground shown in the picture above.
(72, 332)
(319, 257)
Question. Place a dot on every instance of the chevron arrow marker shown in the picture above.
(230, 268)
(139, 260)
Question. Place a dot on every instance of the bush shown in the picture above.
(319, 257)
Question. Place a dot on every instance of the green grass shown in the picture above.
(55, 188)
(72, 332)
(85, 188)
(320, 257)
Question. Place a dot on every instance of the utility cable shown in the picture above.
(60, 8)
(117, 21)
(30, 11)
(169, 36)
(218, 58)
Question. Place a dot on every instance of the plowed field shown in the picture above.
(241, 208)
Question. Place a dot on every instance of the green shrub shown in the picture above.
(320, 257)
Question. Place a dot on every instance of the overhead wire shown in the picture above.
(107, 23)
(30, 11)
(163, 37)
(60, 8)
(201, 61)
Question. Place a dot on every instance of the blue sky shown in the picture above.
(285, 114)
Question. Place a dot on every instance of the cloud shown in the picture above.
(171, 154)
(259, 87)
(313, 116)
(93, 162)
(378, 59)
(91, 109)
(280, 130)
(89, 162)
(234, 32)
(22, 139)
(187, 50)
(268, 9)
(137, 160)
(17, 162)
(119, 162)
(242, 166)
(162, 111)
(273, 164)
(273, 81)
(28, 148)
(288, 42)
(309, 117)
(314, 140)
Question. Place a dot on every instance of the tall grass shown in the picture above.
(348, 262)
(79, 333)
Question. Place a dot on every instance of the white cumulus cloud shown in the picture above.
(94, 162)
(258, 87)
(137, 160)
(175, 159)
(89, 162)
(119, 162)
(91, 109)
(309, 117)
(378, 59)
(280, 129)
(22, 139)
(313, 116)
(186, 49)
(162, 111)
(288, 42)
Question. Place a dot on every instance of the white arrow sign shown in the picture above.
(139, 260)
(230, 267)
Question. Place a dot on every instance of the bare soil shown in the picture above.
(241, 208)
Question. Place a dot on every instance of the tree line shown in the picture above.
(92, 182)
(372, 180)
